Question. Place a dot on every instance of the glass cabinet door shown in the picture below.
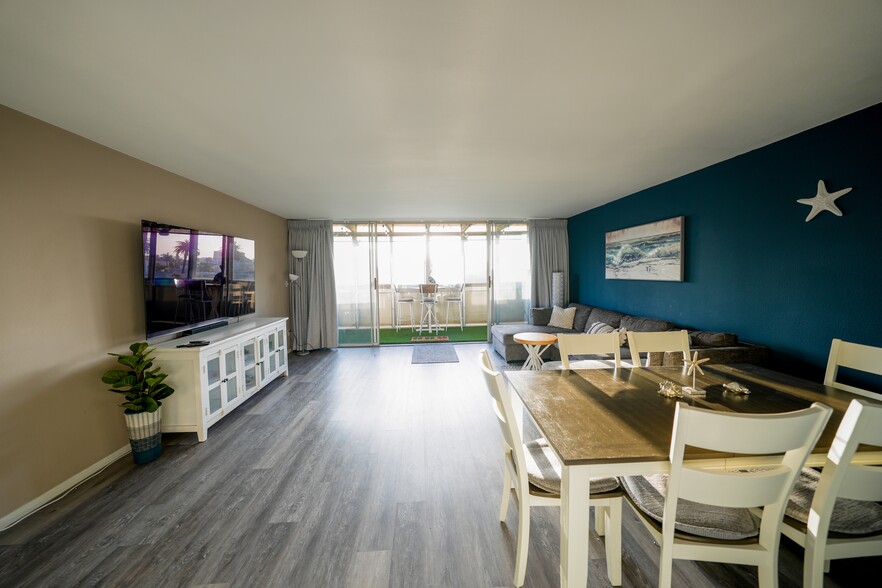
(231, 371)
(261, 354)
(213, 378)
(271, 353)
(249, 362)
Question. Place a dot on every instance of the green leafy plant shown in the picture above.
(143, 387)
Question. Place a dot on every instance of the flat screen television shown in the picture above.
(193, 279)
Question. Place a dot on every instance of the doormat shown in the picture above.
(428, 339)
(434, 354)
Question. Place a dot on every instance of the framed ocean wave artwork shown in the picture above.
(653, 251)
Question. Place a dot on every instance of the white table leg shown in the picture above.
(574, 527)
(534, 357)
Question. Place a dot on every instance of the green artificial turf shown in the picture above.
(391, 336)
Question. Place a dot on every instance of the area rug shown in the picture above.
(429, 339)
(434, 354)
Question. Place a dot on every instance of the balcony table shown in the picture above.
(612, 422)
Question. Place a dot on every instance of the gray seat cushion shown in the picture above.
(507, 332)
(543, 470)
(715, 522)
(851, 517)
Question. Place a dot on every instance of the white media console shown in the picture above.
(212, 380)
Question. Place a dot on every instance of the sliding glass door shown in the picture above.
(355, 274)
(510, 271)
(379, 266)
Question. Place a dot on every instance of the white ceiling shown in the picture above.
(418, 109)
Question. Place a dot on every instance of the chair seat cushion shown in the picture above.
(851, 517)
(543, 470)
(705, 520)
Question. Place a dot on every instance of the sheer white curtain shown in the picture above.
(314, 294)
(549, 253)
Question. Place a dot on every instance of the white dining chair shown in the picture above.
(533, 471)
(704, 514)
(657, 341)
(834, 513)
(585, 344)
(454, 296)
(853, 356)
(403, 300)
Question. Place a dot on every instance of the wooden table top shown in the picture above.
(601, 416)
(535, 338)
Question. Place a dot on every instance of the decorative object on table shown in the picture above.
(144, 389)
(693, 368)
(736, 388)
(670, 389)
(823, 200)
(653, 251)
(557, 288)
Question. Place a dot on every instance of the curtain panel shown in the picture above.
(549, 253)
(313, 295)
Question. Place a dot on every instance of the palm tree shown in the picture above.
(182, 248)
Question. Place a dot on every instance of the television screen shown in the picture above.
(194, 278)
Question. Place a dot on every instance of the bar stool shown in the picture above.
(403, 300)
(455, 297)
(428, 306)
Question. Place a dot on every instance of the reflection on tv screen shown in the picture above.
(194, 277)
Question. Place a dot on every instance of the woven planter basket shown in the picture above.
(145, 435)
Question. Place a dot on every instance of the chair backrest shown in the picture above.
(858, 357)
(588, 344)
(648, 341)
(505, 416)
(789, 436)
(862, 424)
(428, 288)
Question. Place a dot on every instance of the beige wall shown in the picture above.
(70, 213)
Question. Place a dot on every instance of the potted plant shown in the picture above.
(144, 390)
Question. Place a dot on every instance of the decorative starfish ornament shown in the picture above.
(694, 368)
(823, 201)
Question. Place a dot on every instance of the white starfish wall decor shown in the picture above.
(823, 200)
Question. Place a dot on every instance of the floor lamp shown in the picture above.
(298, 331)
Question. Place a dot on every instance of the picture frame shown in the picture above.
(653, 251)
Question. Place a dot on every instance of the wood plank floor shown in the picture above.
(359, 469)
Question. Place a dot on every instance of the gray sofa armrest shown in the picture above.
(540, 316)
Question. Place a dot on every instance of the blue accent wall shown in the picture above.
(753, 266)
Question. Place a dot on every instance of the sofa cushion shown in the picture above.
(540, 316)
(562, 317)
(602, 315)
(643, 324)
(712, 339)
(582, 312)
(598, 328)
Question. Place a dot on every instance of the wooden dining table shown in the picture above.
(613, 422)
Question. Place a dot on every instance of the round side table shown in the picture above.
(535, 344)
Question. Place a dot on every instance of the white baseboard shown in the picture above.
(65, 486)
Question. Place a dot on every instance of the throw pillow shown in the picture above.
(562, 318)
(597, 328)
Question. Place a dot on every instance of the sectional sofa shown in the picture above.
(718, 347)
